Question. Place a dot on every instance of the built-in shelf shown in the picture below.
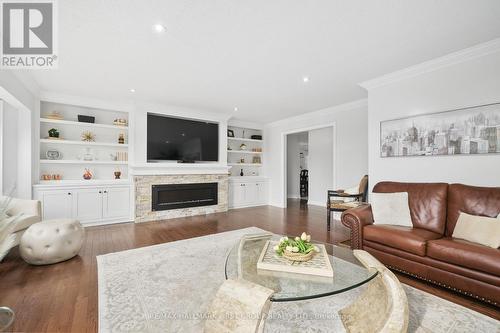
(82, 124)
(243, 139)
(245, 164)
(244, 152)
(43, 161)
(83, 143)
(67, 182)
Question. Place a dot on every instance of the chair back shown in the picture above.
(363, 187)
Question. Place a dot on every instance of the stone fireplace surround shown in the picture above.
(143, 195)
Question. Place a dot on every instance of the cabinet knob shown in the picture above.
(100, 191)
(69, 193)
(105, 191)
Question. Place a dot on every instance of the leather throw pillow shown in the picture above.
(391, 208)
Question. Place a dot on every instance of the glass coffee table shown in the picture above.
(348, 272)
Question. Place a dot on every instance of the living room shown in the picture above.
(190, 166)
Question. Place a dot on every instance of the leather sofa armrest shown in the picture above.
(355, 219)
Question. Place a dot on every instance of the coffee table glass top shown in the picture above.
(348, 272)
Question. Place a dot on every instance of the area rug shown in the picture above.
(168, 288)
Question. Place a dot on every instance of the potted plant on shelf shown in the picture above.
(53, 133)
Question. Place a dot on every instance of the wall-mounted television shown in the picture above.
(182, 140)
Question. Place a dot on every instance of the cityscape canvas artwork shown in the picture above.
(474, 130)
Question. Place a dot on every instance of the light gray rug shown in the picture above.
(168, 287)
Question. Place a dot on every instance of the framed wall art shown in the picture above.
(466, 131)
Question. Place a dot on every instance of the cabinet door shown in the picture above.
(116, 202)
(250, 194)
(261, 193)
(87, 204)
(236, 195)
(56, 204)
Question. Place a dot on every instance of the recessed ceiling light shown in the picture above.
(305, 79)
(235, 109)
(132, 90)
(159, 28)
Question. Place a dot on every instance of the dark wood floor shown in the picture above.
(63, 297)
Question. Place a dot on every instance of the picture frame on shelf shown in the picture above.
(230, 133)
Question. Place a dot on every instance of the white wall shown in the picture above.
(9, 148)
(351, 142)
(320, 164)
(473, 82)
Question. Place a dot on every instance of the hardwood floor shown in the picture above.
(63, 297)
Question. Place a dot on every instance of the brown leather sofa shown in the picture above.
(427, 250)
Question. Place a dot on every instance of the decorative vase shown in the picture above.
(117, 174)
(241, 172)
(87, 175)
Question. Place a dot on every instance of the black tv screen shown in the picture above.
(176, 139)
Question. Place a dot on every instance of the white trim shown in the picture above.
(244, 124)
(178, 169)
(473, 52)
(283, 163)
(316, 203)
(93, 103)
(319, 113)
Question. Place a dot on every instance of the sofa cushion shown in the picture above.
(391, 208)
(478, 229)
(473, 200)
(427, 202)
(465, 254)
(408, 239)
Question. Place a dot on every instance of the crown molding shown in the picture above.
(322, 112)
(89, 102)
(470, 53)
(245, 124)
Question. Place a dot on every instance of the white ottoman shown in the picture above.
(51, 241)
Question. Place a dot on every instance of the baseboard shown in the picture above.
(316, 203)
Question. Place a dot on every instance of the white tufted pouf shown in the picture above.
(51, 241)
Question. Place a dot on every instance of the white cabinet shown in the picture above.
(56, 204)
(247, 192)
(91, 205)
(116, 202)
(87, 204)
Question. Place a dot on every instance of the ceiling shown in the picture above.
(221, 54)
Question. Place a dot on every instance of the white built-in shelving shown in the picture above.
(107, 154)
(82, 124)
(84, 143)
(244, 153)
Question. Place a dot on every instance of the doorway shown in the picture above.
(309, 165)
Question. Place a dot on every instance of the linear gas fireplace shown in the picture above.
(175, 196)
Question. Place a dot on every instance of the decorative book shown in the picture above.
(319, 265)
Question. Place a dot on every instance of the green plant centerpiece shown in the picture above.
(298, 249)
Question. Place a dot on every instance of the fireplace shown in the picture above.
(175, 196)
